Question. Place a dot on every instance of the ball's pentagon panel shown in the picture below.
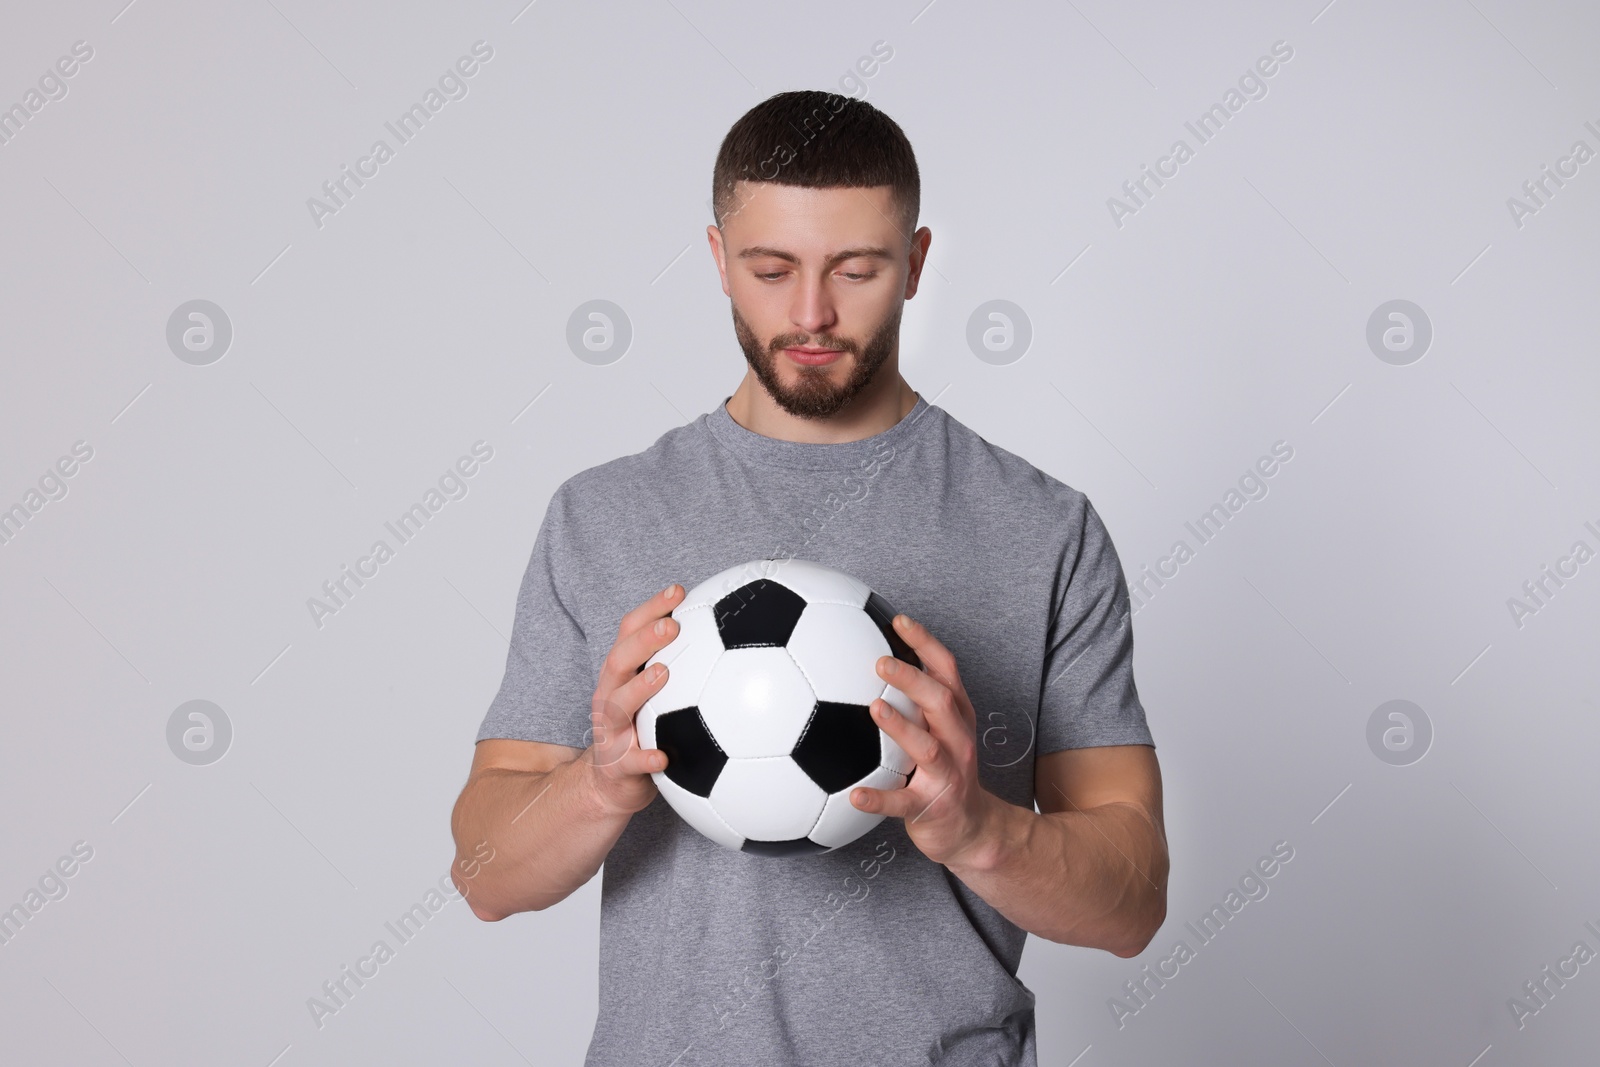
(694, 759)
(840, 745)
(883, 615)
(767, 799)
(761, 614)
(799, 846)
(756, 702)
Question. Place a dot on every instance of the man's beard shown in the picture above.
(813, 395)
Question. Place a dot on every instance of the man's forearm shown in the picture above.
(548, 834)
(1095, 878)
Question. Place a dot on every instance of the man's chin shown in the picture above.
(811, 404)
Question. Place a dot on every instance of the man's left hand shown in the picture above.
(948, 814)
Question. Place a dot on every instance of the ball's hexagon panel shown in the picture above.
(894, 757)
(761, 614)
(842, 822)
(697, 812)
(689, 658)
(694, 759)
(883, 615)
(756, 702)
(840, 745)
(817, 584)
(838, 647)
(767, 799)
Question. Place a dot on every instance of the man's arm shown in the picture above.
(1089, 869)
(528, 827)
(535, 821)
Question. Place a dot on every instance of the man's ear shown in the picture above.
(919, 256)
(719, 253)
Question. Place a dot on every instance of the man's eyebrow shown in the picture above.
(762, 252)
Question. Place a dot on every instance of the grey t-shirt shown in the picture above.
(871, 953)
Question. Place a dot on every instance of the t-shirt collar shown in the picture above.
(748, 445)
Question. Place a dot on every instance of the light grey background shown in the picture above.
(1168, 354)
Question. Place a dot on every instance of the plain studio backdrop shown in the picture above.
(1379, 258)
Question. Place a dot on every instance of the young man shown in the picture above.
(901, 948)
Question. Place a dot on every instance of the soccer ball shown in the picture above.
(765, 716)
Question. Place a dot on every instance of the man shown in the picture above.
(901, 948)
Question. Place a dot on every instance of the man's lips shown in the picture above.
(813, 357)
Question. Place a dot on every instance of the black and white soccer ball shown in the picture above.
(765, 717)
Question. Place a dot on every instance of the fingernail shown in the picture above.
(903, 621)
(889, 664)
(661, 626)
(671, 591)
(657, 671)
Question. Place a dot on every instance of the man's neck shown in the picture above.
(878, 407)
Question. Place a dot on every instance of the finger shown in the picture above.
(628, 760)
(629, 697)
(895, 803)
(617, 708)
(631, 652)
(638, 760)
(923, 748)
(939, 706)
(660, 604)
(937, 660)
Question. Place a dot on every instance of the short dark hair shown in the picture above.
(817, 140)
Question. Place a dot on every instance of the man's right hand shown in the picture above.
(621, 769)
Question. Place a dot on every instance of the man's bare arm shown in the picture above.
(1090, 867)
(528, 827)
(535, 821)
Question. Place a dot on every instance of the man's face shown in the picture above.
(817, 279)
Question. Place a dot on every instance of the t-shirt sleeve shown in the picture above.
(549, 680)
(1089, 698)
